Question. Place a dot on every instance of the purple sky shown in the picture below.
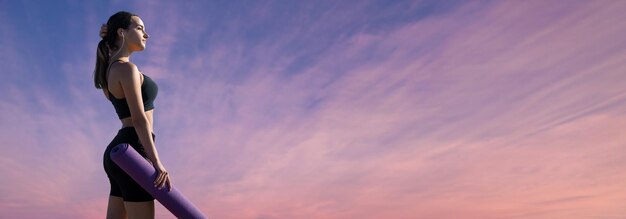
(329, 109)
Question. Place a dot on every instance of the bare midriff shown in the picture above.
(128, 121)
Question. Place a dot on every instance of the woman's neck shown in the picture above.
(123, 55)
(123, 58)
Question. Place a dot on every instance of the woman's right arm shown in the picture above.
(131, 84)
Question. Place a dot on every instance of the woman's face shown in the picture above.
(135, 36)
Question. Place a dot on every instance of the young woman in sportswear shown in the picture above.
(132, 94)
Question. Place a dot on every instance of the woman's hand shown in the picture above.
(162, 177)
(103, 31)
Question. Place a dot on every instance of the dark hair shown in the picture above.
(122, 20)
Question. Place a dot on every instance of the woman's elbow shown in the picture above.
(140, 120)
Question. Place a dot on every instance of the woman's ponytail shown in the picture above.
(102, 62)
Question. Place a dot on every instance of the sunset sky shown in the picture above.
(328, 109)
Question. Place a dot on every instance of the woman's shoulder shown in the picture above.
(122, 63)
(125, 71)
(123, 66)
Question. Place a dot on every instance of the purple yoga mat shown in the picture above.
(142, 171)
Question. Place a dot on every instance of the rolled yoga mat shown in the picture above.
(142, 171)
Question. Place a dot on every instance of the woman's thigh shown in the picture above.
(139, 209)
(116, 209)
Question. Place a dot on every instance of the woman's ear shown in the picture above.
(120, 32)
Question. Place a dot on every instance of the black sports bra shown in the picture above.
(149, 91)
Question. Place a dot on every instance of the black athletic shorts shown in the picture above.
(122, 185)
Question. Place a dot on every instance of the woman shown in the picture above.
(132, 94)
